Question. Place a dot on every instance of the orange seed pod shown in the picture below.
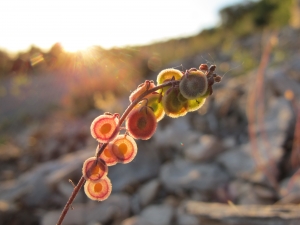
(108, 157)
(94, 169)
(105, 128)
(98, 191)
(141, 123)
(124, 148)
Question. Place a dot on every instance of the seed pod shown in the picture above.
(193, 85)
(148, 84)
(105, 128)
(195, 104)
(141, 123)
(108, 157)
(174, 106)
(123, 148)
(168, 74)
(155, 104)
(98, 191)
(94, 169)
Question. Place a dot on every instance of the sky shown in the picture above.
(79, 24)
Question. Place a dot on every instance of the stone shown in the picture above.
(136, 220)
(158, 214)
(206, 149)
(184, 175)
(177, 133)
(145, 166)
(148, 192)
(116, 207)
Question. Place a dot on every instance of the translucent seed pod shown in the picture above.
(105, 128)
(168, 74)
(155, 104)
(148, 84)
(141, 123)
(94, 169)
(99, 190)
(195, 104)
(108, 157)
(174, 107)
(193, 85)
(124, 148)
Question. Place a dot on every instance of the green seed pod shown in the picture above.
(174, 106)
(195, 104)
(153, 103)
(168, 74)
(193, 85)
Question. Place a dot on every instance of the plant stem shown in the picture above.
(102, 147)
(70, 201)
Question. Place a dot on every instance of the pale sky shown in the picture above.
(79, 24)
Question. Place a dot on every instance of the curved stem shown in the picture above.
(69, 202)
(102, 147)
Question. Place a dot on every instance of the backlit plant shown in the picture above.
(175, 94)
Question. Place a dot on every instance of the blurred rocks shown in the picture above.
(184, 175)
(206, 156)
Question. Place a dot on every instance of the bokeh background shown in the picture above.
(63, 64)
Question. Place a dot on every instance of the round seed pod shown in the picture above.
(98, 191)
(94, 169)
(174, 107)
(141, 123)
(108, 157)
(155, 104)
(123, 148)
(193, 85)
(167, 74)
(105, 128)
(195, 104)
(141, 89)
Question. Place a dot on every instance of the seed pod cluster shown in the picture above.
(176, 94)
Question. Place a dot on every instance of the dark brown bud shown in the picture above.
(203, 67)
(218, 78)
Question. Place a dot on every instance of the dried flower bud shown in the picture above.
(218, 78)
(105, 128)
(123, 148)
(98, 191)
(148, 84)
(94, 169)
(203, 67)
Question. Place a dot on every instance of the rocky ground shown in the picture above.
(203, 168)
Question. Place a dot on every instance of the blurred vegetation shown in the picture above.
(227, 43)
